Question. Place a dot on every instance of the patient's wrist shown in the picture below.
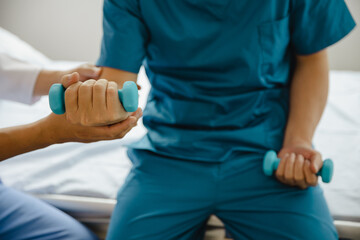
(297, 143)
(296, 140)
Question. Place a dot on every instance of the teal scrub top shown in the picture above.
(219, 69)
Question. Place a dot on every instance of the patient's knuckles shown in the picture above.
(85, 89)
(111, 93)
(279, 175)
(99, 88)
(302, 186)
(312, 181)
(288, 178)
(70, 93)
(298, 179)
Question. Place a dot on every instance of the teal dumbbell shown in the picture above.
(271, 163)
(128, 97)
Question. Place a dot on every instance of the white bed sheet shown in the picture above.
(99, 169)
(338, 137)
(94, 170)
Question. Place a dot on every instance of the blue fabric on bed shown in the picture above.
(25, 217)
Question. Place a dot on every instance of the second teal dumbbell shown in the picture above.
(271, 163)
(128, 97)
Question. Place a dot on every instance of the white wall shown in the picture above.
(71, 29)
(345, 55)
(61, 29)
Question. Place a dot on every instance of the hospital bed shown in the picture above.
(83, 179)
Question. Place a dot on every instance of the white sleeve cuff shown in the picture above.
(17, 79)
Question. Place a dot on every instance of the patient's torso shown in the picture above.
(219, 79)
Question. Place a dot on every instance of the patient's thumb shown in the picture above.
(69, 79)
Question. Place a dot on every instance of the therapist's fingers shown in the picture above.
(119, 130)
(88, 71)
(138, 113)
(68, 79)
(122, 128)
(114, 131)
(80, 133)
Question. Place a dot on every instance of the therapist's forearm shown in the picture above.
(44, 81)
(22, 139)
(46, 78)
(308, 95)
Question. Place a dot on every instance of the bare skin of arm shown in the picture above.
(58, 129)
(118, 76)
(308, 94)
(46, 78)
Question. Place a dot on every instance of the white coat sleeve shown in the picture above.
(17, 79)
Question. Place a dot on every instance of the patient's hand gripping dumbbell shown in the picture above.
(128, 97)
(271, 163)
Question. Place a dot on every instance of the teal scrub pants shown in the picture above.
(167, 198)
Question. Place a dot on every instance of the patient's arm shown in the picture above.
(308, 94)
(118, 76)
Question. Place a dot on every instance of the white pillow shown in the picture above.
(18, 49)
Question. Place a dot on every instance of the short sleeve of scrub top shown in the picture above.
(125, 36)
(318, 24)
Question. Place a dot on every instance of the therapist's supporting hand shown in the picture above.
(93, 102)
(56, 129)
(59, 130)
(46, 78)
(298, 166)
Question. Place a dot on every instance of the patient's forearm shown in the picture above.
(308, 95)
(118, 76)
(22, 139)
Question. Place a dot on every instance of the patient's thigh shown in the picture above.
(254, 206)
(162, 199)
(25, 217)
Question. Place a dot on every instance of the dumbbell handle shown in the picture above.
(128, 97)
(271, 163)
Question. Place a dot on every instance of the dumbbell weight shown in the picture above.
(271, 163)
(128, 97)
